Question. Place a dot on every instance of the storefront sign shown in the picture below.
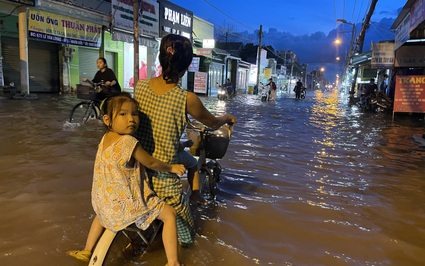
(24, 2)
(204, 51)
(208, 43)
(62, 29)
(283, 70)
(175, 19)
(410, 94)
(194, 66)
(382, 55)
(410, 56)
(267, 73)
(402, 32)
(122, 11)
(367, 73)
(200, 84)
(417, 14)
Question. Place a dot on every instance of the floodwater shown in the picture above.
(307, 182)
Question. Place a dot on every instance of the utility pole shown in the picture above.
(360, 39)
(136, 41)
(227, 35)
(260, 35)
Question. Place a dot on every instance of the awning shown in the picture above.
(360, 59)
(123, 36)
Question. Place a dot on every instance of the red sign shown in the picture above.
(409, 94)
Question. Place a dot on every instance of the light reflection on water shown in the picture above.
(310, 182)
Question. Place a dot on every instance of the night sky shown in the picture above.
(299, 25)
(297, 17)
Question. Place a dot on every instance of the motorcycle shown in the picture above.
(376, 102)
(222, 93)
(302, 96)
(265, 94)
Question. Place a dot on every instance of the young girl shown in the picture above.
(120, 193)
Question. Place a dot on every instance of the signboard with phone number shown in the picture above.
(62, 29)
(410, 94)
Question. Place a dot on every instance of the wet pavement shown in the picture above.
(305, 182)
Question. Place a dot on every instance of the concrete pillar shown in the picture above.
(102, 43)
(23, 50)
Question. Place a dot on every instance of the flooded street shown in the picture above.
(308, 182)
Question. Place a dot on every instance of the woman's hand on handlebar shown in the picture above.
(110, 83)
(231, 120)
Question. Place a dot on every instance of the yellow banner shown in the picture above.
(267, 73)
(63, 29)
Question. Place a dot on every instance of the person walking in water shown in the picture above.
(273, 89)
(298, 89)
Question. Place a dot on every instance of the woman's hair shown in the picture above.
(104, 61)
(111, 106)
(175, 56)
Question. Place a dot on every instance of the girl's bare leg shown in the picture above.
(95, 232)
(169, 235)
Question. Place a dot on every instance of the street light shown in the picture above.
(352, 49)
(353, 33)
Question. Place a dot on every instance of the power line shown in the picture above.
(234, 34)
(361, 6)
(101, 2)
(228, 15)
(352, 15)
(379, 30)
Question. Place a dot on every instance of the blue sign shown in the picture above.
(59, 39)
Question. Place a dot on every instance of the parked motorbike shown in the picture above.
(265, 93)
(376, 102)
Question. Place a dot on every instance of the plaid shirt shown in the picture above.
(162, 122)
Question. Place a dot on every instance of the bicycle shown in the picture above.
(90, 107)
(210, 145)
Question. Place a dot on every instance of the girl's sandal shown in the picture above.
(83, 255)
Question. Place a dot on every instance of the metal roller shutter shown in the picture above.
(11, 66)
(43, 64)
(88, 57)
(43, 60)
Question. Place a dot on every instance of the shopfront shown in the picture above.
(122, 30)
(407, 80)
(43, 58)
(52, 40)
(215, 72)
(43, 64)
(243, 76)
